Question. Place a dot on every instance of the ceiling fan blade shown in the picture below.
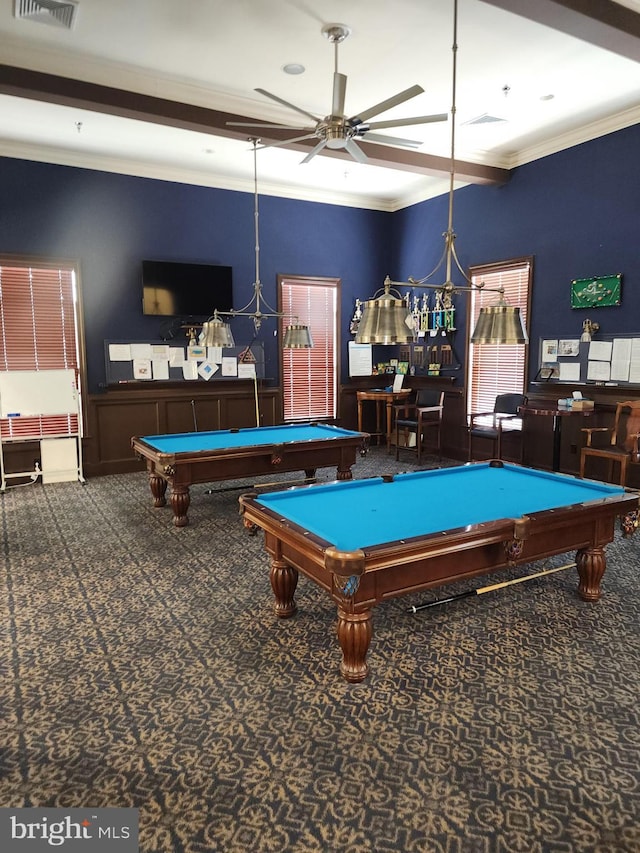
(314, 151)
(339, 92)
(390, 140)
(383, 106)
(286, 141)
(404, 122)
(287, 104)
(356, 152)
(274, 126)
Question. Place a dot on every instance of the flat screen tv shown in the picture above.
(173, 289)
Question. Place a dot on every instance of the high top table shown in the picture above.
(381, 396)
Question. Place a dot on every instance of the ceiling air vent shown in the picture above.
(56, 12)
(485, 118)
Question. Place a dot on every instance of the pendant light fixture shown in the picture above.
(216, 332)
(387, 318)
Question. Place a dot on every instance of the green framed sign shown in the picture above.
(596, 292)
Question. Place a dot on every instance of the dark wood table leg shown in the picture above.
(284, 580)
(591, 563)
(354, 635)
(344, 472)
(180, 500)
(158, 487)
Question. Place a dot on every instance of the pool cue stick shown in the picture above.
(490, 588)
(255, 388)
(195, 420)
(243, 359)
(308, 481)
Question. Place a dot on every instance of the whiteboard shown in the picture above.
(28, 393)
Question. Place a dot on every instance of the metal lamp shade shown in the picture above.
(216, 333)
(384, 321)
(499, 324)
(297, 336)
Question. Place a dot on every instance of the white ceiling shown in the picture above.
(549, 89)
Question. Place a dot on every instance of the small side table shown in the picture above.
(557, 414)
(381, 396)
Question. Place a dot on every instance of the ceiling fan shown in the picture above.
(337, 130)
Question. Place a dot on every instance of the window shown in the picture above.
(39, 330)
(309, 376)
(498, 368)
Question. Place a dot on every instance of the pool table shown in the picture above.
(182, 459)
(369, 540)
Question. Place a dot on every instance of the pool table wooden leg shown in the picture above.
(158, 486)
(354, 634)
(591, 563)
(344, 473)
(284, 580)
(180, 500)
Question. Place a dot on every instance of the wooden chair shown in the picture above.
(622, 446)
(493, 425)
(422, 416)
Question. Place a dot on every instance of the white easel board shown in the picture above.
(29, 393)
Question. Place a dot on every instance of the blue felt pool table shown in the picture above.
(368, 540)
(182, 459)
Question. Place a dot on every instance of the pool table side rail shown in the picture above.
(146, 450)
(226, 440)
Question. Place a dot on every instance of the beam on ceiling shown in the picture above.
(603, 23)
(53, 89)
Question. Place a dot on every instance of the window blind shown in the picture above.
(497, 368)
(309, 376)
(38, 331)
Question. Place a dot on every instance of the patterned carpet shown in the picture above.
(142, 666)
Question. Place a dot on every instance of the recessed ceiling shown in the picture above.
(525, 89)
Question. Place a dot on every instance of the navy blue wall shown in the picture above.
(111, 222)
(577, 212)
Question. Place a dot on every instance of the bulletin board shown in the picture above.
(612, 360)
(30, 393)
(121, 370)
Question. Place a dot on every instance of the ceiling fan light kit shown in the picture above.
(337, 131)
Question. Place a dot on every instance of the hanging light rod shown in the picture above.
(386, 319)
(215, 332)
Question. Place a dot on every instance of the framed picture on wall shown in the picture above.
(596, 292)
